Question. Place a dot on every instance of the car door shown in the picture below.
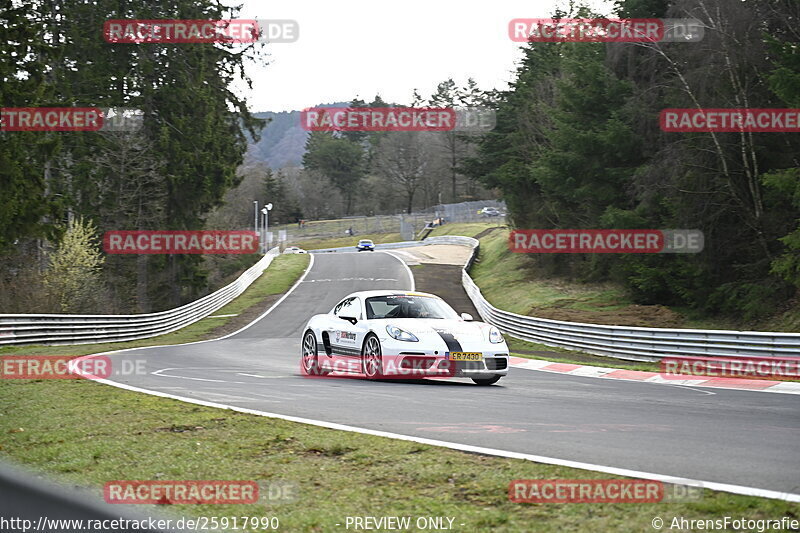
(346, 337)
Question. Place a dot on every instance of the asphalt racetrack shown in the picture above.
(742, 438)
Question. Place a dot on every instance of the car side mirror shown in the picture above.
(467, 317)
(350, 319)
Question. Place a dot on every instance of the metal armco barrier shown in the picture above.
(31, 504)
(624, 342)
(88, 329)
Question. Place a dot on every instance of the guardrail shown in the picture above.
(625, 342)
(57, 329)
(29, 503)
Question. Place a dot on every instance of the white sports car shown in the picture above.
(397, 334)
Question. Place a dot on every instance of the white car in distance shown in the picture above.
(294, 250)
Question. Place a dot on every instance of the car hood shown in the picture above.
(424, 327)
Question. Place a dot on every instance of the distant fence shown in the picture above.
(54, 329)
(407, 225)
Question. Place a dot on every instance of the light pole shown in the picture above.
(266, 209)
(255, 218)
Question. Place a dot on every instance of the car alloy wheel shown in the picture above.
(310, 357)
(371, 358)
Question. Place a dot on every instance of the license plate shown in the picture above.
(465, 356)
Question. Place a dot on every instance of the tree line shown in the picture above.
(167, 176)
(386, 172)
(578, 145)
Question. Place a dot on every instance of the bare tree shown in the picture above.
(405, 160)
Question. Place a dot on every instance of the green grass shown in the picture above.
(84, 433)
(507, 284)
(468, 229)
(787, 320)
(282, 273)
(337, 225)
(336, 242)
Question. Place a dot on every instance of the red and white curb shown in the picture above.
(760, 385)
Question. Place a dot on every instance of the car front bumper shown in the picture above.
(409, 359)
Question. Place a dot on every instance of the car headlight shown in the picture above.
(495, 337)
(400, 335)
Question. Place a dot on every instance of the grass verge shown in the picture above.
(336, 242)
(507, 283)
(467, 229)
(84, 433)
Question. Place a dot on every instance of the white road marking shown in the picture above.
(408, 270)
(161, 375)
(350, 279)
(725, 487)
(692, 388)
(262, 377)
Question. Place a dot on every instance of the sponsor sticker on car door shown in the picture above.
(345, 337)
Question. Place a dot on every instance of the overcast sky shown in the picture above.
(360, 48)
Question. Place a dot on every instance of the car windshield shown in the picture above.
(403, 306)
(364, 242)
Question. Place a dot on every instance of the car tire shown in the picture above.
(309, 356)
(372, 357)
(487, 381)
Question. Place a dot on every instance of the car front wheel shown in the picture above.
(371, 357)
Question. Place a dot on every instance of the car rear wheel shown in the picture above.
(371, 357)
(310, 357)
(487, 381)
